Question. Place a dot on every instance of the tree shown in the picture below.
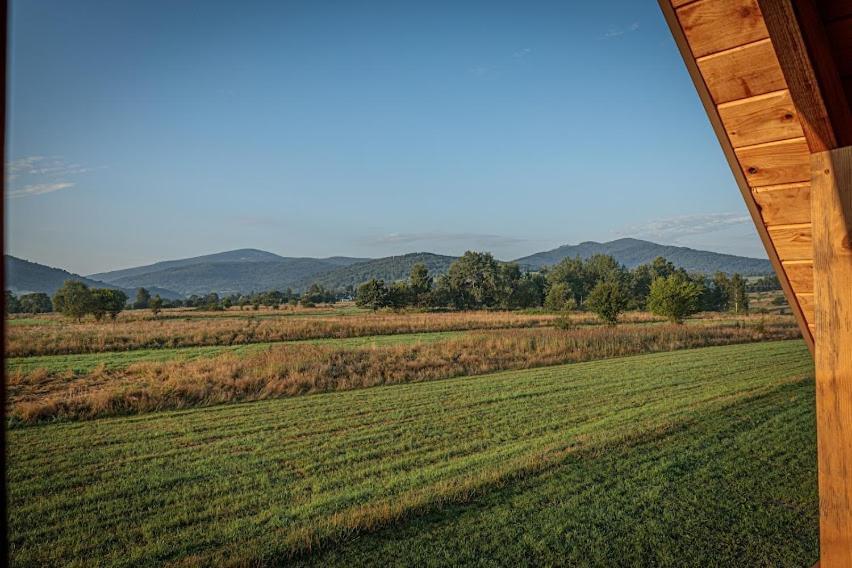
(35, 303)
(608, 299)
(372, 294)
(107, 302)
(558, 297)
(674, 297)
(572, 273)
(143, 298)
(73, 299)
(399, 295)
(156, 305)
(473, 281)
(420, 284)
(12, 304)
(738, 295)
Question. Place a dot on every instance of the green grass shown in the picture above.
(86, 362)
(667, 458)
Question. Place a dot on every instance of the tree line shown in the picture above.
(600, 284)
(474, 281)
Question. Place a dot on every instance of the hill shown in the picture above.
(243, 270)
(389, 269)
(633, 252)
(24, 276)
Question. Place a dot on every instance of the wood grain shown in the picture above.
(801, 72)
(715, 25)
(806, 302)
(801, 275)
(764, 118)
(786, 204)
(775, 163)
(743, 72)
(793, 242)
(832, 232)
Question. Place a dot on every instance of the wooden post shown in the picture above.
(831, 207)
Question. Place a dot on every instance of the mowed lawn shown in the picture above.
(694, 457)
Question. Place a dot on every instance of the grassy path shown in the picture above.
(86, 362)
(260, 482)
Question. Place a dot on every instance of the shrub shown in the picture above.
(674, 297)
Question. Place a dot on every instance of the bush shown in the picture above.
(674, 297)
(608, 299)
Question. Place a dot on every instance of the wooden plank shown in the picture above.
(832, 231)
(806, 301)
(765, 118)
(743, 72)
(679, 3)
(728, 150)
(775, 163)
(793, 242)
(711, 26)
(801, 275)
(785, 204)
(694, 70)
(800, 71)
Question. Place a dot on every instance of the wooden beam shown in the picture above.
(803, 51)
(831, 211)
(707, 100)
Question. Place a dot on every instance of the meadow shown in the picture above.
(491, 438)
(658, 459)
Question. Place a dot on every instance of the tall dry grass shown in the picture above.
(292, 370)
(65, 337)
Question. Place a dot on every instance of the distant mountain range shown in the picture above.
(633, 252)
(248, 270)
(24, 277)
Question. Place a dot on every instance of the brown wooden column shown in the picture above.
(831, 207)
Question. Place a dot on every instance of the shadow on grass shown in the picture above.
(735, 487)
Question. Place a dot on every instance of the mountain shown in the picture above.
(23, 277)
(633, 252)
(389, 269)
(244, 270)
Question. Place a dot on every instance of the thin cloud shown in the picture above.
(491, 70)
(38, 175)
(675, 228)
(436, 237)
(618, 31)
(38, 189)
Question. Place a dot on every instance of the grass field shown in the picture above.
(690, 457)
(117, 383)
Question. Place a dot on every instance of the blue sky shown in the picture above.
(157, 129)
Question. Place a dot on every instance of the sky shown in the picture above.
(145, 130)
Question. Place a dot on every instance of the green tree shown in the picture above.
(73, 299)
(12, 304)
(608, 299)
(143, 298)
(35, 303)
(399, 295)
(474, 281)
(420, 284)
(372, 294)
(558, 297)
(738, 295)
(674, 297)
(109, 302)
(156, 305)
(572, 273)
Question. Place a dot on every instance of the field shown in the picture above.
(491, 438)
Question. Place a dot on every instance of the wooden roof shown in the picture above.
(775, 77)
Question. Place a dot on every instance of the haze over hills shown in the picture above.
(248, 270)
(236, 271)
(24, 277)
(633, 252)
